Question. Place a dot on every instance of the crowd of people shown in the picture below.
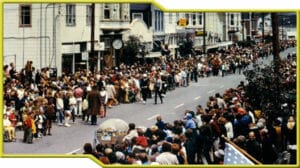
(33, 100)
(198, 137)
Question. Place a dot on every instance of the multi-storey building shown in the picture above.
(114, 20)
(59, 35)
(51, 35)
(232, 26)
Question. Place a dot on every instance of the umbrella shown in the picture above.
(114, 124)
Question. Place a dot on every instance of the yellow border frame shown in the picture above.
(158, 5)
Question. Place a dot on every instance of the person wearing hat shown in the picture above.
(144, 84)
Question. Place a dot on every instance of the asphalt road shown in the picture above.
(70, 140)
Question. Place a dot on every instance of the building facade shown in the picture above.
(59, 35)
(114, 21)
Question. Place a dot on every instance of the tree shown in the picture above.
(186, 47)
(130, 50)
(261, 90)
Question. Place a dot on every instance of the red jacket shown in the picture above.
(28, 122)
(142, 141)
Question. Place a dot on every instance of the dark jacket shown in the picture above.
(94, 102)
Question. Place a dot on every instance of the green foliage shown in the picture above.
(268, 90)
(130, 50)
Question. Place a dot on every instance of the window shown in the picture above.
(137, 16)
(177, 17)
(156, 21)
(25, 15)
(187, 16)
(231, 19)
(161, 21)
(200, 16)
(88, 15)
(107, 42)
(70, 15)
(170, 18)
(106, 11)
(194, 19)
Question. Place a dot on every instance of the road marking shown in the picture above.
(152, 117)
(211, 91)
(178, 106)
(196, 98)
(74, 151)
(221, 86)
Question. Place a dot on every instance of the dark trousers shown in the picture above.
(28, 136)
(144, 94)
(84, 114)
(94, 119)
(157, 92)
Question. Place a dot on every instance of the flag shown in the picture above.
(234, 156)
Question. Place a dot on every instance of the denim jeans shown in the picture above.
(73, 109)
(60, 115)
(78, 109)
(184, 81)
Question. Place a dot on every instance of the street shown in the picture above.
(70, 140)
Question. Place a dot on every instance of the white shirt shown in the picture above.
(229, 130)
(130, 135)
(72, 101)
(167, 158)
(221, 103)
(103, 93)
(183, 74)
(59, 104)
(6, 123)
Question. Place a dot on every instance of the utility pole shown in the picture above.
(275, 41)
(263, 27)
(276, 56)
(204, 33)
(92, 55)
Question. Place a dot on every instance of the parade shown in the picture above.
(250, 103)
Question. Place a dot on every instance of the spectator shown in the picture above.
(167, 157)
(253, 147)
(88, 149)
(9, 128)
(132, 133)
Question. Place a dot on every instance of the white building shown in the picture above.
(114, 21)
(265, 26)
(55, 35)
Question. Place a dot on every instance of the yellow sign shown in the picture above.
(182, 22)
(200, 33)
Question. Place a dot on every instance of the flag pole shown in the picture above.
(241, 150)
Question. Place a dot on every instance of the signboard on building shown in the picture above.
(100, 46)
(182, 22)
(70, 48)
(84, 55)
(200, 33)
